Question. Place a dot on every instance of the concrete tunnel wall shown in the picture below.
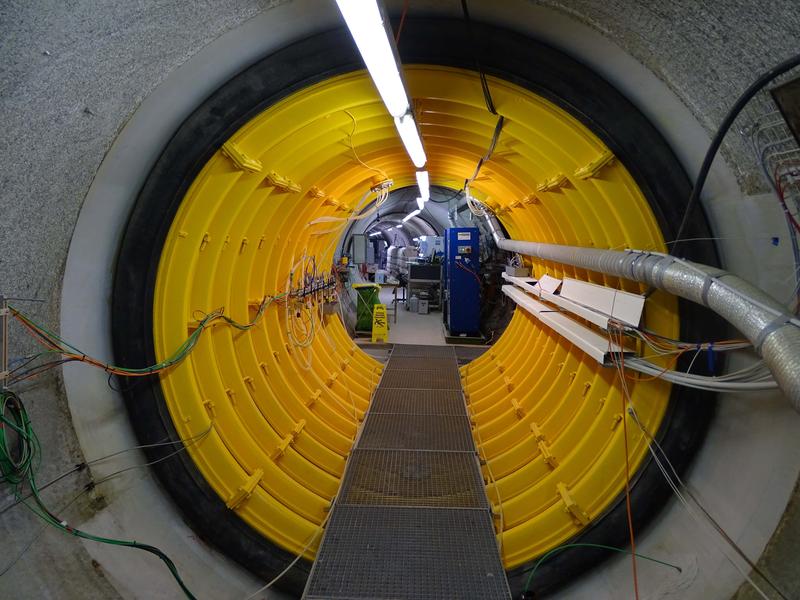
(80, 94)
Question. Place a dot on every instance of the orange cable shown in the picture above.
(628, 475)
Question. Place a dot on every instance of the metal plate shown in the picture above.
(422, 351)
(408, 553)
(417, 432)
(418, 402)
(447, 379)
(408, 478)
(427, 364)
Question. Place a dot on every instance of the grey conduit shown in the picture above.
(765, 322)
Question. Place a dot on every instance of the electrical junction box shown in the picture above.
(462, 280)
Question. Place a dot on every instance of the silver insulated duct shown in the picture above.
(765, 322)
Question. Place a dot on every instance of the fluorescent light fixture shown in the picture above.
(399, 227)
(423, 181)
(407, 128)
(390, 228)
(411, 214)
(421, 204)
(374, 233)
(415, 240)
(363, 18)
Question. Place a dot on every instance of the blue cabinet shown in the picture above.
(462, 280)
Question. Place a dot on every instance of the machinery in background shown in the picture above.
(431, 247)
(423, 287)
(462, 284)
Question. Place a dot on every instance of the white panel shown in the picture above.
(593, 344)
(628, 308)
(594, 296)
(590, 315)
(549, 284)
(623, 306)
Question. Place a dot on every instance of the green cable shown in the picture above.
(15, 464)
(546, 555)
(182, 351)
(18, 464)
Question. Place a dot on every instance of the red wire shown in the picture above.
(782, 199)
(471, 272)
(402, 22)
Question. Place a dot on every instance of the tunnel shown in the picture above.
(237, 177)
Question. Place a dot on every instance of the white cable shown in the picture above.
(632, 411)
(294, 562)
(699, 381)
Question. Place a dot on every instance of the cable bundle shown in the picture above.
(20, 456)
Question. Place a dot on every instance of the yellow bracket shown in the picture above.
(240, 159)
(313, 399)
(593, 168)
(517, 408)
(552, 184)
(547, 456)
(579, 515)
(282, 184)
(537, 432)
(245, 490)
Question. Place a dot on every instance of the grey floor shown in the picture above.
(413, 328)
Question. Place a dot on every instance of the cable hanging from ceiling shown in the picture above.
(474, 205)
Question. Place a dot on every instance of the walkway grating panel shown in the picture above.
(422, 351)
(418, 402)
(411, 520)
(425, 380)
(426, 364)
(408, 478)
(417, 432)
(410, 553)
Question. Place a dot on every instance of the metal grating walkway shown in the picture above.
(411, 520)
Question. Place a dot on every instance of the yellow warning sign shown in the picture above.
(380, 324)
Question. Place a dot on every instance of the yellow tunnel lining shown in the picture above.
(235, 238)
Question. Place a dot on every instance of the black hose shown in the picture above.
(716, 142)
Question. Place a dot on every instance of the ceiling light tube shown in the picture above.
(423, 182)
(421, 204)
(366, 25)
(413, 213)
(407, 128)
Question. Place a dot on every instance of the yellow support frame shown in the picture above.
(547, 416)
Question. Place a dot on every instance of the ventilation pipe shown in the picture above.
(764, 321)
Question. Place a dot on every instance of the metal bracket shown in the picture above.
(4, 315)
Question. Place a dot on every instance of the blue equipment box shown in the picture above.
(462, 280)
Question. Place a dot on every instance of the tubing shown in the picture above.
(764, 321)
